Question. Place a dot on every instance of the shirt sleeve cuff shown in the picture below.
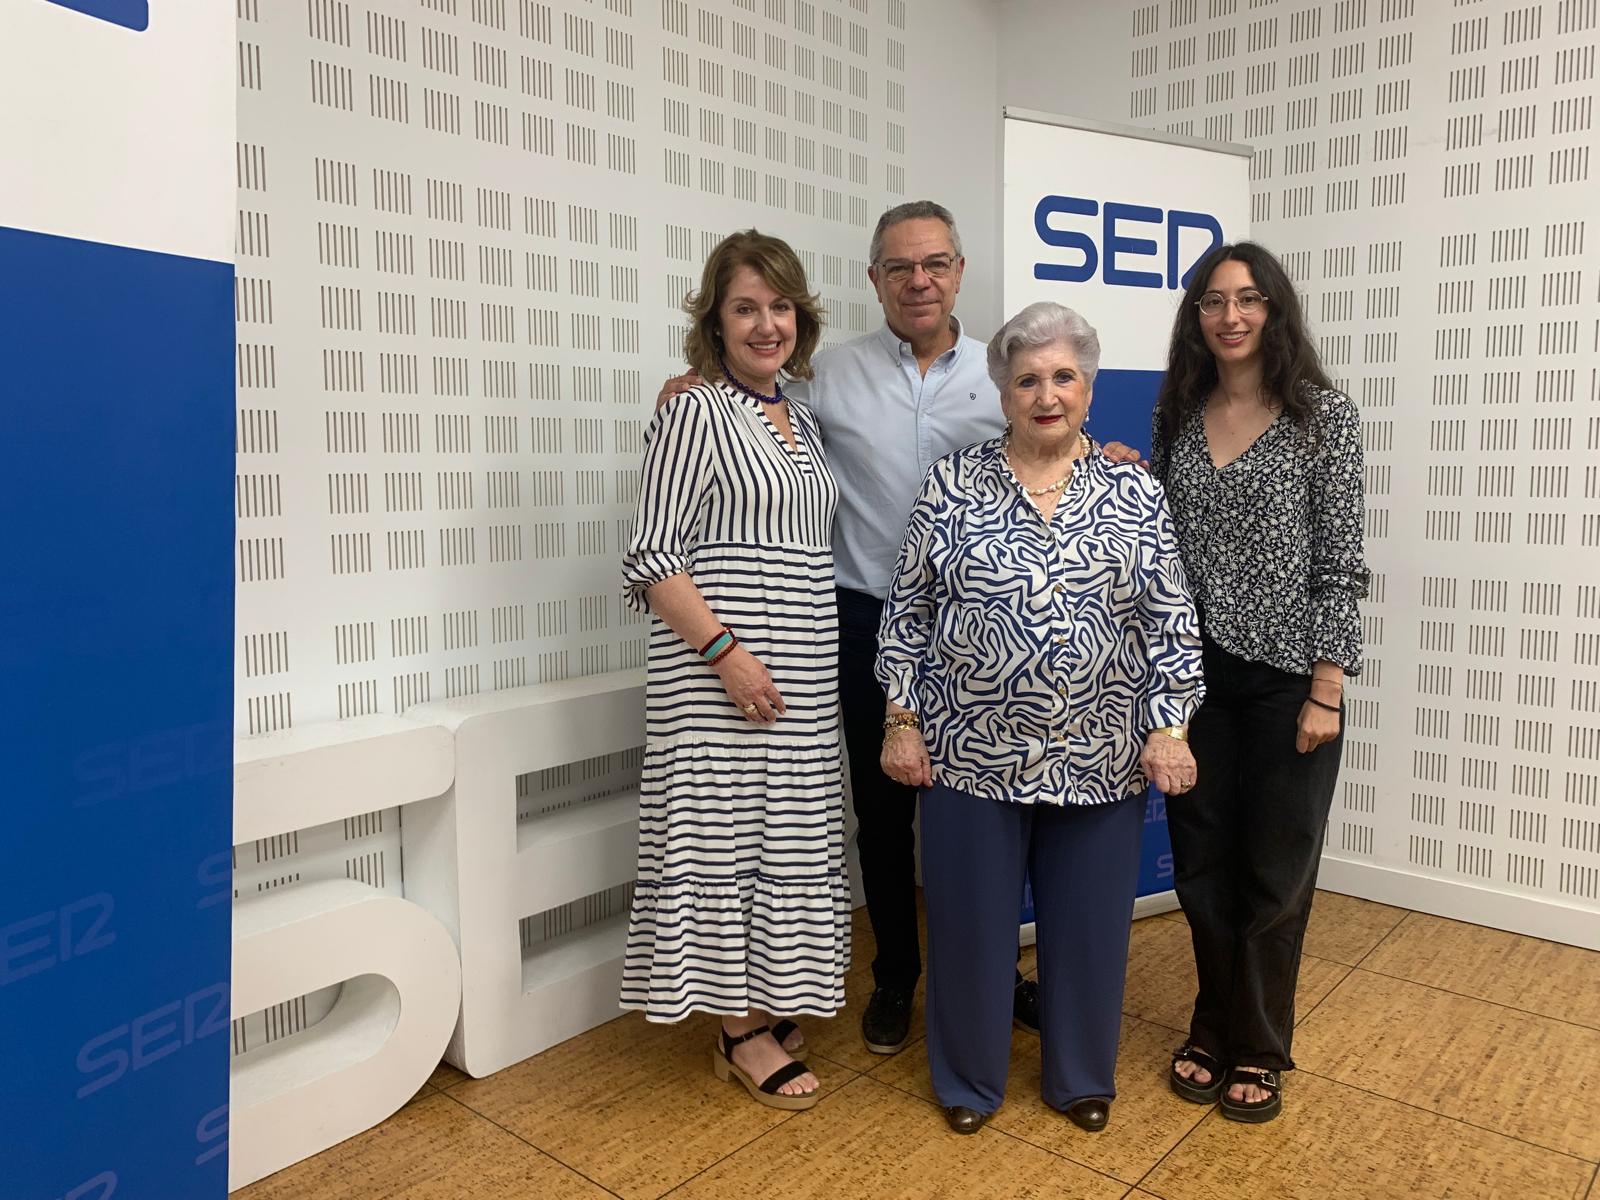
(642, 573)
(898, 686)
(1336, 632)
(1175, 708)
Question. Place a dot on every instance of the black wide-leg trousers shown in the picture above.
(884, 809)
(1246, 842)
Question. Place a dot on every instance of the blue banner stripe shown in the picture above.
(116, 633)
(130, 14)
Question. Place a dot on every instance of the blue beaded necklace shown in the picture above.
(737, 386)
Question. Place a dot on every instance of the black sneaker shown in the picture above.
(886, 1025)
(1025, 1005)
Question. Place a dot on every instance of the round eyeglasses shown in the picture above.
(1213, 303)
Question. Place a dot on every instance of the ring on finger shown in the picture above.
(750, 709)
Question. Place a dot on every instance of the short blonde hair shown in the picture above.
(780, 266)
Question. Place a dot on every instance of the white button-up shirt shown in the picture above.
(884, 423)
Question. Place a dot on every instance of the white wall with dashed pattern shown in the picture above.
(464, 229)
(1426, 170)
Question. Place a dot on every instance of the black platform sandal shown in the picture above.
(780, 1034)
(765, 1092)
(1253, 1112)
(1196, 1093)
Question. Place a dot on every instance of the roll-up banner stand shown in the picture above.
(1109, 220)
(116, 610)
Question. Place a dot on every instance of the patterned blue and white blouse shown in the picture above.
(1039, 655)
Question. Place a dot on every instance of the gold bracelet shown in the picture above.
(1181, 732)
(898, 721)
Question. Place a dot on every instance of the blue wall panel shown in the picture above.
(116, 620)
(1123, 402)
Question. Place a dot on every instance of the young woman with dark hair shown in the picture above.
(1262, 462)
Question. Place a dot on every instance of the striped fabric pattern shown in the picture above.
(1039, 654)
(742, 900)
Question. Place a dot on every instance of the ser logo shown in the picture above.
(37, 943)
(152, 1036)
(102, 1187)
(130, 14)
(1117, 244)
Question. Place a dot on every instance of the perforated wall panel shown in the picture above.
(464, 229)
(1425, 170)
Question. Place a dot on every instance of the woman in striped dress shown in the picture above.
(742, 907)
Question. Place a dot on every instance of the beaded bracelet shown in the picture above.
(899, 722)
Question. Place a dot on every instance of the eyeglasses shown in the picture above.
(1212, 304)
(898, 270)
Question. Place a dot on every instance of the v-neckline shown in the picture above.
(1211, 458)
(749, 403)
(1071, 489)
(791, 447)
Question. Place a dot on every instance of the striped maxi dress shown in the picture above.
(742, 899)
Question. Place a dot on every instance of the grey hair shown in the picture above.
(913, 210)
(1044, 323)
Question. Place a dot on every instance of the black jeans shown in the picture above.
(1246, 841)
(884, 809)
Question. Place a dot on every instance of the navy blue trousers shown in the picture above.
(1084, 866)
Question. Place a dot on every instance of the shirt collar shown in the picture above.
(896, 347)
(1087, 467)
(740, 397)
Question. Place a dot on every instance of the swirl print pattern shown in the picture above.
(1039, 654)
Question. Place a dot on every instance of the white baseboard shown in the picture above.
(1462, 902)
(1155, 902)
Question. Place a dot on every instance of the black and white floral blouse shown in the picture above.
(1272, 542)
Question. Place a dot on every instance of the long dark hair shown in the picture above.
(1290, 361)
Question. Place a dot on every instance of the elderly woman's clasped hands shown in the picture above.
(1167, 762)
(905, 754)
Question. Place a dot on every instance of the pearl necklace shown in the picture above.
(750, 391)
(1083, 452)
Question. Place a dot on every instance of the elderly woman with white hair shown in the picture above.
(1041, 657)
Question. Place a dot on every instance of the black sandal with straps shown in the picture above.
(1253, 1112)
(1195, 1093)
(780, 1034)
(766, 1092)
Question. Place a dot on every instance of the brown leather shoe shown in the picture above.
(1090, 1115)
(965, 1120)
